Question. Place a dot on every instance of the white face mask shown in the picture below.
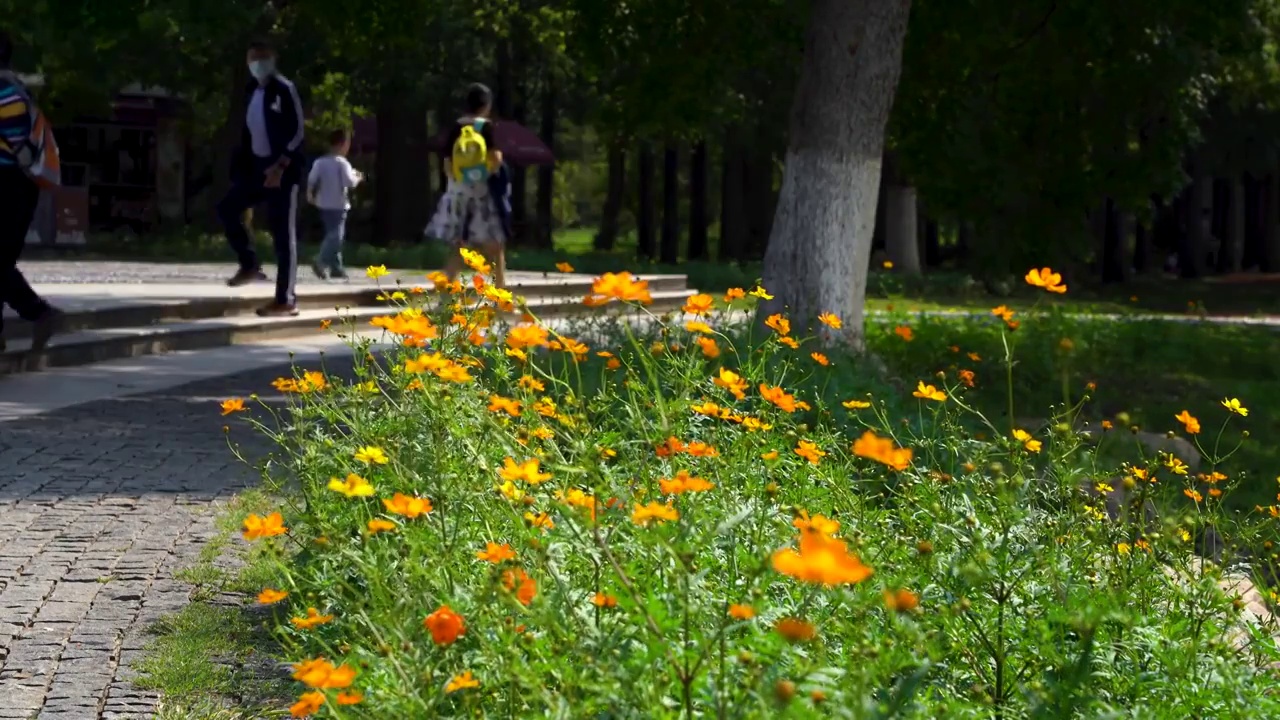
(262, 69)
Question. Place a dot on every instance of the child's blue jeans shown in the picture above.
(335, 231)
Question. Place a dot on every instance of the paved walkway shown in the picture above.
(100, 504)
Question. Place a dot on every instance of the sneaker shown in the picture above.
(43, 328)
(244, 277)
(319, 270)
(278, 310)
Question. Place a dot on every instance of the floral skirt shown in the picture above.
(466, 215)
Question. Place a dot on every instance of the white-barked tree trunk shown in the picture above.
(821, 240)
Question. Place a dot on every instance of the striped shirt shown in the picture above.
(15, 119)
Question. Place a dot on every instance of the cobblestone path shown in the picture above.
(100, 505)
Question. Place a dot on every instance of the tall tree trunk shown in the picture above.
(403, 179)
(644, 212)
(821, 242)
(1252, 250)
(698, 201)
(607, 235)
(1143, 251)
(1270, 200)
(1195, 240)
(1114, 256)
(1231, 254)
(902, 236)
(733, 224)
(932, 240)
(669, 247)
(546, 173)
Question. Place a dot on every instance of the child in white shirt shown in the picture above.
(331, 178)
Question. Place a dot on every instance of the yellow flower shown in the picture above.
(771, 455)
(510, 491)
(1047, 279)
(378, 525)
(526, 471)
(929, 392)
(564, 267)
(761, 293)
(653, 512)
(371, 455)
(732, 382)
(856, 404)
(831, 321)
(311, 620)
(376, 271)
(528, 382)
(697, 326)
(269, 596)
(353, 486)
(1124, 548)
(1030, 443)
(1189, 422)
(1233, 405)
(1177, 466)
(461, 682)
(475, 261)
(233, 405)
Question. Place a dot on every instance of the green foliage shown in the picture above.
(1030, 602)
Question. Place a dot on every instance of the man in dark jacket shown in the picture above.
(267, 167)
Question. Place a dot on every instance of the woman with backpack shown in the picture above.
(473, 211)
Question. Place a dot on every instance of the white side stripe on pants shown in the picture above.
(293, 244)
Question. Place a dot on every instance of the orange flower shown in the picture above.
(542, 521)
(499, 404)
(526, 471)
(1003, 312)
(733, 382)
(771, 455)
(929, 392)
(901, 600)
(904, 332)
(1189, 422)
(741, 612)
(967, 377)
(308, 704)
(709, 409)
(734, 294)
(270, 595)
(618, 286)
(461, 682)
(564, 267)
(322, 675)
(445, 626)
(831, 321)
(671, 446)
(528, 382)
(525, 587)
(313, 619)
(796, 630)
(378, 525)
(349, 698)
(602, 600)
(410, 507)
(820, 359)
(779, 397)
(261, 527)
(1047, 279)
(653, 512)
(683, 482)
(1029, 442)
(779, 324)
(821, 559)
(698, 448)
(882, 450)
(1195, 496)
(496, 553)
(790, 342)
(234, 405)
(809, 451)
(527, 335)
(709, 347)
(699, 304)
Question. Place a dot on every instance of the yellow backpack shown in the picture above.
(470, 155)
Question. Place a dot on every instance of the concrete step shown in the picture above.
(98, 344)
(93, 312)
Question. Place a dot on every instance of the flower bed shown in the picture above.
(685, 520)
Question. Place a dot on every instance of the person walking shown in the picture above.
(21, 161)
(267, 167)
(331, 178)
